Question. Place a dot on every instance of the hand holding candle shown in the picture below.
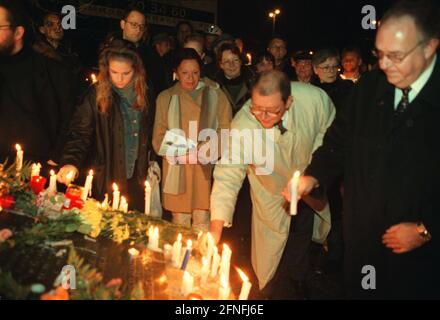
(67, 174)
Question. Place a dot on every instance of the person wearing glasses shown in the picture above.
(36, 93)
(296, 115)
(234, 78)
(278, 48)
(385, 143)
(326, 65)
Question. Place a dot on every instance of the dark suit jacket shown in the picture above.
(392, 173)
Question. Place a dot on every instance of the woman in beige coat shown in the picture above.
(191, 105)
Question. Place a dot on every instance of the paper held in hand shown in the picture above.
(174, 144)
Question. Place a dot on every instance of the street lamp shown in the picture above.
(273, 16)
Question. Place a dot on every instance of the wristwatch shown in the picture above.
(423, 233)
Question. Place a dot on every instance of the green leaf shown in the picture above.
(71, 227)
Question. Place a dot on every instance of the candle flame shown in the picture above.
(162, 279)
(93, 77)
(226, 247)
(123, 200)
(18, 147)
(296, 175)
(133, 252)
(248, 56)
(243, 276)
(91, 173)
(147, 184)
(205, 261)
(189, 245)
(115, 187)
(179, 237)
(52, 173)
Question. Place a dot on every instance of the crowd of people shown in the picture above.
(365, 141)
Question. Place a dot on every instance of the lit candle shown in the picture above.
(245, 287)
(187, 283)
(187, 255)
(205, 270)
(93, 78)
(88, 186)
(147, 197)
(226, 262)
(177, 248)
(18, 158)
(215, 262)
(52, 190)
(293, 193)
(123, 205)
(224, 290)
(249, 57)
(153, 238)
(35, 171)
(116, 195)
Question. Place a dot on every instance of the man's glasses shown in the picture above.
(231, 62)
(329, 68)
(136, 25)
(5, 26)
(259, 113)
(396, 57)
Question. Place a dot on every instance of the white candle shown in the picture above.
(177, 248)
(18, 158)
(205, 271)
(35, 172)
(224, 290)
(226, 262)
(116, 195)
(52, 190)
(123, 205)
(133, 252)
(187, 283)
(245, 287)
(153, 238)
(215, 263)
(293, 193)
(147, 197)
(88, 186)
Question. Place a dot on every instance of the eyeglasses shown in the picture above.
(395, 57)
(231, 62)
(5, 26)
(136, 25)
(278, 47)
(329, 68)
(258, 113)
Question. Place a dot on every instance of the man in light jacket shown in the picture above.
(284, 123)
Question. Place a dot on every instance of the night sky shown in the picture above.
(308, 24)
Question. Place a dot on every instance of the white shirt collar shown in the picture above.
(418, 85)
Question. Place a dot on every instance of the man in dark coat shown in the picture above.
(35, 94)
(386, 143)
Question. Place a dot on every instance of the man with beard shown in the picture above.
(35, 93)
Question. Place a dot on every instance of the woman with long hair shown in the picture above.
(111, 129)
